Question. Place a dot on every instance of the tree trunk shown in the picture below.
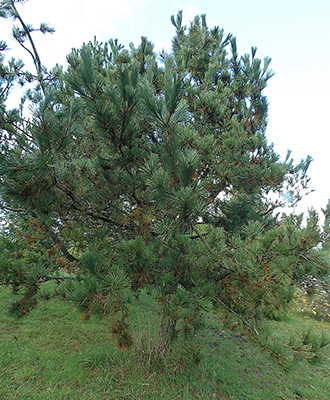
(166, 334)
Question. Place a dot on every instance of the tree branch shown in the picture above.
(63, 249)
(221, 264)
(35, 55)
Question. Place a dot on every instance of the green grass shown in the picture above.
(53, 354)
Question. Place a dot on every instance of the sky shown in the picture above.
(294, 33)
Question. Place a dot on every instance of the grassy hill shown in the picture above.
(53, 354)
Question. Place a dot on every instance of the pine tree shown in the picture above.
(159, 174)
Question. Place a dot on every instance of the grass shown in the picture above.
(53, 354)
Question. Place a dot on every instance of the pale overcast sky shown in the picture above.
(294, 33)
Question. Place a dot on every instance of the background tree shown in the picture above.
(326, 229)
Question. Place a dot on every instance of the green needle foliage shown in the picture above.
(140, 172)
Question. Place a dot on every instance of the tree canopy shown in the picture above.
(137, 170)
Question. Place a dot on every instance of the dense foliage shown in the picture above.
(143, 171)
